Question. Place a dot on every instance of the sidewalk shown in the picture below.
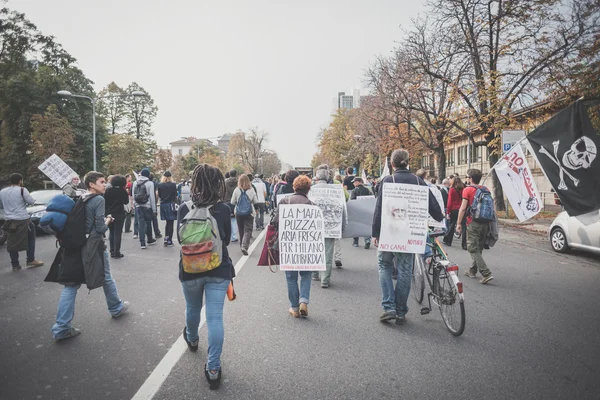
(539, 226)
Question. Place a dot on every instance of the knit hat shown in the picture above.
(167, 174)
(145, 172)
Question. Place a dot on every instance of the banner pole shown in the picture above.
(501, 158)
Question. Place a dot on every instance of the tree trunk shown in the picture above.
(498, 192)
(441, 163)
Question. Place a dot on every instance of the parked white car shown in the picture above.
(581, 232)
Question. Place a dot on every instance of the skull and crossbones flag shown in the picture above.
(566, 147)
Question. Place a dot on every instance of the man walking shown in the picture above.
(21, 231)
(230, 184)
(348, 179)
(322, 178)
(261, 193)
(477, 231)
(394, 300)
(145, 203)
(71, 271)
(360, 190)
(157, 233)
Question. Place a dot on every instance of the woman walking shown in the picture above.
(115, 199)
(298, 296)
(452, 208)
(208, 190)
(244, 198)
(167, 193)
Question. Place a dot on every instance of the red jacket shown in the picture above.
(454, 201)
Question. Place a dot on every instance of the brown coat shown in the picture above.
(17, 235)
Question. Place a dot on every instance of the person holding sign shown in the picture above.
(330, 198)
(405, 220)
(298, 297)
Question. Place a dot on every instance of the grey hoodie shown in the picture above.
(151, 203)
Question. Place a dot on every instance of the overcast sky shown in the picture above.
(217, 66)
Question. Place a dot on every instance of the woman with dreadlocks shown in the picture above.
(207, 190)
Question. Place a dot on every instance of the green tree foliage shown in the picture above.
(111, 106)
(140, 113)
(51, 134)
(124, 153)
(33, 67)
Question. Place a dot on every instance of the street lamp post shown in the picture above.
(66, 93)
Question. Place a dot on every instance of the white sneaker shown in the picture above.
(143, 247)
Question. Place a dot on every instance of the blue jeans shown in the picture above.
(66, 304)
(295, 294)
(14, 255)
(136, 217)
(145, 215)
(395, 299)
(234, 230)
(214, 289)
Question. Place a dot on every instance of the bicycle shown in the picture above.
(446, 289)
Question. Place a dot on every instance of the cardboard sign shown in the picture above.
(301, 238)
(57, 170)
(331, 200)
(404, 218)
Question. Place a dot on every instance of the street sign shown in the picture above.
(509, 138)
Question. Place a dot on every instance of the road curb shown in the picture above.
(533, 228)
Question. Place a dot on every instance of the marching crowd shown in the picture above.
(229, 207)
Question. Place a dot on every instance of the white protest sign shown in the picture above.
(301, 238)
(404, 217)
(331, 200)
(520, 189)
(365, 197)
(57, 170)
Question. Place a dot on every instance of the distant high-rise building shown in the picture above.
(348, 101)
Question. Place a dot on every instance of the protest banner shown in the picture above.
(520, 189)
(404, 217)
(57, 170)
(331, 201)
(360, 217)
(301, 238)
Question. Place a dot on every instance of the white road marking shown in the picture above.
(162, 371)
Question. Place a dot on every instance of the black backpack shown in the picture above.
(73, 235)
(140, 194)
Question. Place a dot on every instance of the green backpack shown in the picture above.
(200, 239)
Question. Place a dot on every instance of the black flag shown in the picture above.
(566, 147)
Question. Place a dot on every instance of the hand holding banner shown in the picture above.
(301, 238)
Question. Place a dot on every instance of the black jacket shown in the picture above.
(359, 191)
(114, 200)
(404, 176)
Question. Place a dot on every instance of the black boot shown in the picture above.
(213, 384)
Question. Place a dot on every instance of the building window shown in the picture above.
(450, 158)
(180, 152)
(462, 155)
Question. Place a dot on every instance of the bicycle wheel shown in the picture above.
(451, 305)
(418, 278)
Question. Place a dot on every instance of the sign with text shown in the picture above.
(301, 238)
(331, 201)
(509, 138)
(57, 170)
(517, 181)
(404, 217)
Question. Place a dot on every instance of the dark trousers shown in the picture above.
(115, 232)
(155, 224)
(464, 233)
(144, 215)
(136, 219)
(127, 222)
(245, 230)
(14, 255)
(169, 229)
(451, 227)
(260, 216)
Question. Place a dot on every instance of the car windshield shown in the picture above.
(43, 197)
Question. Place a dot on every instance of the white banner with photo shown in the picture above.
(404, 217)
(301, 238)
(518, 185)
(331, 200)
(57, 170)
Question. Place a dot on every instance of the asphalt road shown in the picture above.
(532, 333)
